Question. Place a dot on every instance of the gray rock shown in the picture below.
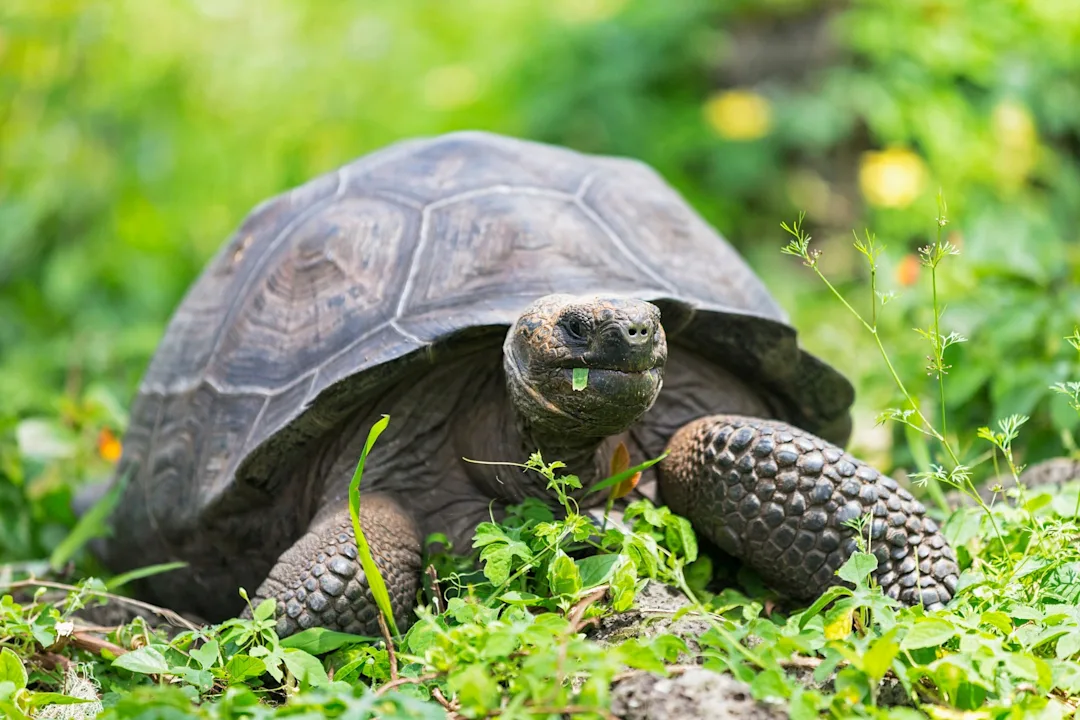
(695, 694)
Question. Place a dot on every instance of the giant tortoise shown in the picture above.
(455, 284)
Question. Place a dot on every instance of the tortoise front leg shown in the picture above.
(318, 582)
(779, 498)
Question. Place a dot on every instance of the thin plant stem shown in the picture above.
(927, 428)
(939, 351)
(873, 291)
(801, 249)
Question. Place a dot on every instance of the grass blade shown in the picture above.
(140, 573)
(625, 474)
(93, 524)
(367, 562)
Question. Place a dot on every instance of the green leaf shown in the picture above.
(679, 536)
(669, 647)
(624, 585)
(319, 640)
(147, 660)
(437, 538)
(581, 379)
(207, 655)
(638, 655)
(497, 558)
(1068, 645)
(500, 644)
(997, 619)
(41, 699)
(371, 571)
(11, 669)
(857, 568)
(44, 631)
(202, 679)
(879, 657)
(643, 551)
(625, 474)
(241, 667)
(488, 533)
(649, 514)
(306, 668)
(962, 525)
(803, 704)
(596, 569)
(1021, 666)
(834, 592)
(769, 685)
(563, 575)
(523, 599)
(265, 609)
(496, 565)
(476, 689)
(699, 573)
(928, 632)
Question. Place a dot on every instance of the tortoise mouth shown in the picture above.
(611, 372)
(616, 381)
(626, 366)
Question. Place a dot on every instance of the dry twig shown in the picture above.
(389, 646)
(169, 616)
(406, 681)
(578, 611)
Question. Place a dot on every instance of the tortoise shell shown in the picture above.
(341, 286)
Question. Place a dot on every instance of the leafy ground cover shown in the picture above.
(506, 629)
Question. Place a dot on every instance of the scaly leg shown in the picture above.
(779, 499)
(319, 582)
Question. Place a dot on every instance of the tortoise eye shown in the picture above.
(574, 327)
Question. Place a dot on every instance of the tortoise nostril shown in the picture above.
(637, 333)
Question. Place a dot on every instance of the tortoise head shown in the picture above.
(588, 365)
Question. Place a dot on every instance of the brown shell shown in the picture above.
(343, 284)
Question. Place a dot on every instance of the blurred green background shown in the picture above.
(136, 134)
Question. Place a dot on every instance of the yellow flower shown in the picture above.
(891, 178)
(1017, 142)
(109, 447)
(739, 115)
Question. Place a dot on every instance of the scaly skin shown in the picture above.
(318, 582)
(778, 498)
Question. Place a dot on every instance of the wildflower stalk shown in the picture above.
(800, 247)
(932, 255)
(938, 349)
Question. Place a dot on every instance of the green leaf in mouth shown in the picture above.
(581, 378)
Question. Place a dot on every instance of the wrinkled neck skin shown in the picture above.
(538, 425)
